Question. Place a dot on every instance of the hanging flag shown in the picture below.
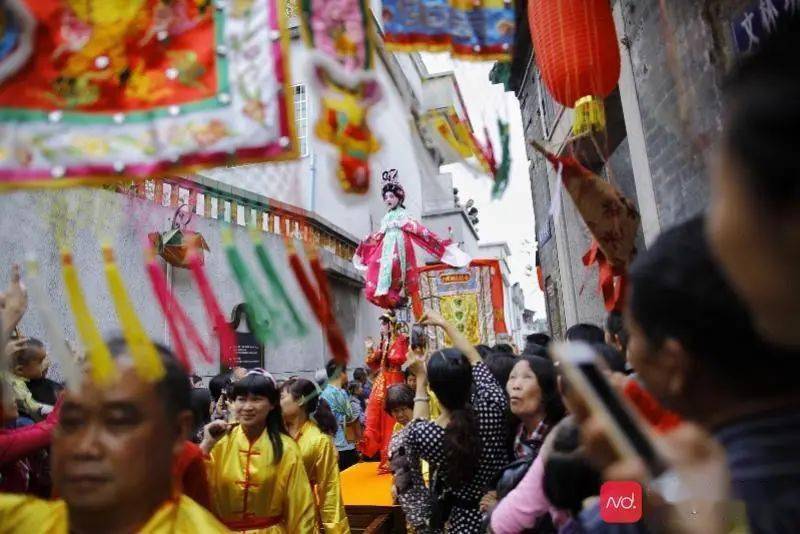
(503, 170)
(340, 30)
(106, 90)
(472, 30)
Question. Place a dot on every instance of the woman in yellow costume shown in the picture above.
(255, 470)
(312, 424)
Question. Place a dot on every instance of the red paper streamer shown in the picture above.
(178, 321)
(319, 301)
(227, 339)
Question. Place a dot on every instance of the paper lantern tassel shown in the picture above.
(146, 359)
(101, 364)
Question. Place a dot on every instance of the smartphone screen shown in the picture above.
(622, 417)
(417, 336)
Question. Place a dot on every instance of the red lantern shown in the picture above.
(577, 52)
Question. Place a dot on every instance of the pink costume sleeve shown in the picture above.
(443, 249)
(524, 504)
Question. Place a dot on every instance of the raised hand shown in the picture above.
(15, 301)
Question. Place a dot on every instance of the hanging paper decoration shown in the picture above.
(474, 30)
(181, 329)
(174, 244)
(578, 55)
(503, 170)
(146, 359)
(387, 257)
(339, 29)
(346, 99)
(101, 364)
(452, 137)
(448, 133)
(318, 298)
(226, 336)
(114, 89)
(53, 330)
(258, 309)
(288, 321)
(611, 218)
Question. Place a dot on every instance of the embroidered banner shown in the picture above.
(104, 90)
(476, 30)
(471, 298)
(339, 29)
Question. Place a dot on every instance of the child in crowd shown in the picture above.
(28, 361)
(400, 405)
(355, 391)
(411, 380)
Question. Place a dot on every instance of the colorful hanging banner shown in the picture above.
(471, 298)
(339, 29)
(345, 102)
(473, 30)
(450, 135)
(102, 90)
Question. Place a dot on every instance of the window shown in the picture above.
(301, 117)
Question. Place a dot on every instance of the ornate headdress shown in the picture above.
(392, 184)
(389, 317)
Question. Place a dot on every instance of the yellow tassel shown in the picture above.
(146, 360)
(101, 364)
(590, 115)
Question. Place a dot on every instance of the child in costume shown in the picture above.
(388, 358)
(387, 257)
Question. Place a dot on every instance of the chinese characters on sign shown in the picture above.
(758, 20)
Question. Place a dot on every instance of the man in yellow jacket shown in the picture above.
(112, 457)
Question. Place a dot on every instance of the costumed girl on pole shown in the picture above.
(387, 256)
(387, 358)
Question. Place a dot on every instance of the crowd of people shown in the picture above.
(484, 439)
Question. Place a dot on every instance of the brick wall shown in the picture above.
(679, 58)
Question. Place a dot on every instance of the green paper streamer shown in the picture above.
(257, 306)
(504, 169)
(293, 325)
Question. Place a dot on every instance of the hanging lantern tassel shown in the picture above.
(101, 364)
(55, 333)
(227, 339)
(146, 360)
(577, 53)
(590, 115)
